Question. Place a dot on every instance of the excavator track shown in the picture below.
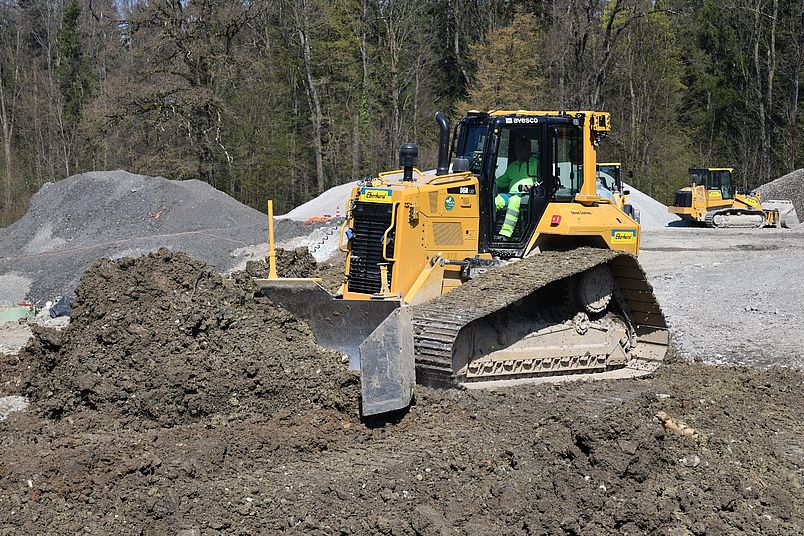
(730, 218)
(629, 339)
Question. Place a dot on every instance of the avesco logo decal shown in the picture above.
(521, 120)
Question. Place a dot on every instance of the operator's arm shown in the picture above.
(533, 165)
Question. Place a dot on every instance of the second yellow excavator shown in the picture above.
(711, 200)
(502, 266)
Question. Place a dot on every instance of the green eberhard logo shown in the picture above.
(449, 202)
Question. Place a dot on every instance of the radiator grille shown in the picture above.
(447, 233)
(370, 222)
(683, 199)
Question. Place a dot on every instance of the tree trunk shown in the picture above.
(316, 117)
(761, 113)
(769, 92)
(792, 147)
(7, 131)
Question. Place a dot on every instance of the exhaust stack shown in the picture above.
(443, 144)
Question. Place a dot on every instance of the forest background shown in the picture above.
(283, 99)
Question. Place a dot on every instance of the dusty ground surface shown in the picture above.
(731, 296)
(13, 336)
(580, 459)
(175, 404)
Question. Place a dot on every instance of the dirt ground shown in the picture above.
(175, 404)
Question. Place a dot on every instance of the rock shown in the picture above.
(690, 461)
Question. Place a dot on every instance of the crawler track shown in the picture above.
(442, 328)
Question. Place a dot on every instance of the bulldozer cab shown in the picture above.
(529, 162)
(714, 179)
(610, 175)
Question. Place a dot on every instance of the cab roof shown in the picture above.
(711, 169)
(548, 113)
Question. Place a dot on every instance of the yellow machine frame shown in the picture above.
(437, 229)
(699, 203)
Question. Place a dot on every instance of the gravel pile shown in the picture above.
(788, 187)
(114, 214)
(654, 215)
(325, 204)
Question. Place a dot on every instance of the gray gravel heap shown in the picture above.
(74, 221)
(654, 215)
(790, 186)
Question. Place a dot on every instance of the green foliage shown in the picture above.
(508, 74)
(218, 90)
(71, 68)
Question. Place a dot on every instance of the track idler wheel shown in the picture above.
(594, 289)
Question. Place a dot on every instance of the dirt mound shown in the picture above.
(289, 263)
(163, 339)
(72, 222)
(300, 263)
(790, 187)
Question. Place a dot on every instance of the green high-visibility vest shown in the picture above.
(516, 175)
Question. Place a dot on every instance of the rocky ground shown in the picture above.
(174, 403)
(731, 296)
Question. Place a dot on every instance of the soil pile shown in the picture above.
(114, 214)
(161, 338)
(289, 263)
(790, 186)
(300, 263)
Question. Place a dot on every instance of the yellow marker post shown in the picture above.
(271, 251)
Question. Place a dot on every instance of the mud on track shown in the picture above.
(103, 450)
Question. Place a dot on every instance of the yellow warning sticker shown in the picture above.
(623, 236)
(376, 195)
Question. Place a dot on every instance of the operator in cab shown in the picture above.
(515, 183)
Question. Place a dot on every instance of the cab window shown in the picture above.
(567, 161)
(474, 143)
(516, 177)
(723, 180)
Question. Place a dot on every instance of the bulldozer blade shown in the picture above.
(788, 217)
(341, 325)
(387, 365)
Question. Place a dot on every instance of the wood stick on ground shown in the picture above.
(677, 426)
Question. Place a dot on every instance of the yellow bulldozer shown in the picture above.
(610, 184)
(711, 200)
(501, 266)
